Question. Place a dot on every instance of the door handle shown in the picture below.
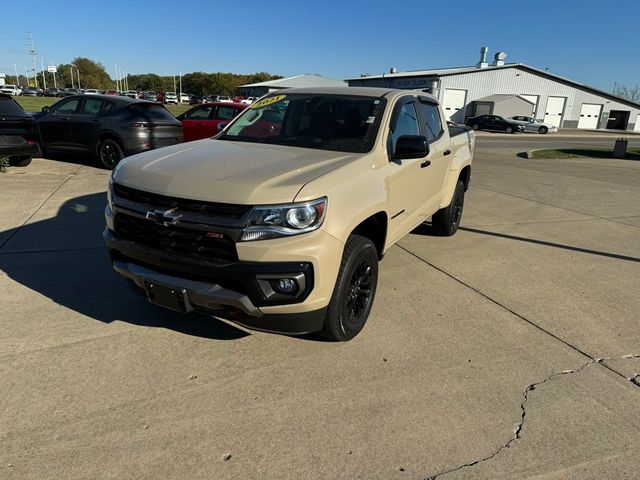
(447, 152)
(66, 118)
(425, 164)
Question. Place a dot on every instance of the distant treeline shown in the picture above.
(94, 75)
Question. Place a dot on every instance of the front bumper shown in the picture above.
(241, 291)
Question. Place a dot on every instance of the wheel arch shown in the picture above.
(375, 229)
(108, 135)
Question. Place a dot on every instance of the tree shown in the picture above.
(630, 93)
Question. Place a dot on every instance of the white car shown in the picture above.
(248, 100)
(224, 99)
(184, 98)
(171, 97)
(91, 91)
(530, 124)
(11, 90)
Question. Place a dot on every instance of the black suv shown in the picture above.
(494, 123)
(18, 138)
(107, 126)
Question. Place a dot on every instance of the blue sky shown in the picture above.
(593, 42)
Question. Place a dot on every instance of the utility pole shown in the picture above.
(44, 80)
(55, 84)
(116, 79)
(78, 72)
(174, 84)
(71, 73)
(26, 75)
(180, 94)
(33, 60)
(15, 69)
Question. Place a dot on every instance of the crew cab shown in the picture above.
(278, 223)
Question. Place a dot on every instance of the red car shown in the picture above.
(202, 121)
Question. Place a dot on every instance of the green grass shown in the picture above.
(35, 104)
(632, 153)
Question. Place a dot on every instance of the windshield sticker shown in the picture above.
(371, 119)
(268, 101)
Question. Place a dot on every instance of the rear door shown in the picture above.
(87, 123)
(197, 122)
(56, 126)
(439, 157)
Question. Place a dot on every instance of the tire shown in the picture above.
(109, 153)
(20, 161)
(543, 130)
(475, 126)
(445, 222)
(354, 292)
(508, 130)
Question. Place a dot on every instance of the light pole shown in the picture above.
(71, 73)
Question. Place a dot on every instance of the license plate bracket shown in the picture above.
(168, 296)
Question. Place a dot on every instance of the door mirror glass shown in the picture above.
(411, 146)
(221, 126)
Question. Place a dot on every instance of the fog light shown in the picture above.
(286, 286)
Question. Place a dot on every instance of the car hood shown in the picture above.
(227, 171)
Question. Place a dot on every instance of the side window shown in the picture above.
(199, 113)
(431, 117)
(68, 106)
(92, 106)
(406, 124)
(225, 113)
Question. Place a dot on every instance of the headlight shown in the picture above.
(273, 221)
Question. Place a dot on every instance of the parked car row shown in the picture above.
(516, 124)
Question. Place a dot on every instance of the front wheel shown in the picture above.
(109, 153)
(354, 292)
(475, 126)
(509, 130)
(543, 130)
(445, 222)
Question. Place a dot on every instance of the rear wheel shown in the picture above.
(354, 292)
(475, 126)
(543, 130)
(20, 161)
(445, 222)
(109, 153)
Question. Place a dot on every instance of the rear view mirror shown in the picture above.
(411, 146)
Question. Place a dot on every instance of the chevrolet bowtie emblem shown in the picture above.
(163, 217)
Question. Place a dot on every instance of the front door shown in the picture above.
(406, 176)
(55, 127)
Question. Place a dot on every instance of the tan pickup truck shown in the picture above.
(278, 223)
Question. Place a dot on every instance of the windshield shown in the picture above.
(326, 122)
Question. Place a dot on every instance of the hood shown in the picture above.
(228, 172)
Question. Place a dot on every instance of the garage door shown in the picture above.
(533, 99)
(589, 115)
(453, 103)
(637, 126)
(553, 113)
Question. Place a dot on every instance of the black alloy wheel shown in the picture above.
(110, 153)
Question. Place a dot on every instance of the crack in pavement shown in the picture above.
(525, 398)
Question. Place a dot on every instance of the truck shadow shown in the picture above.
(64, 259)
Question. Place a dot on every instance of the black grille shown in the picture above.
(211, 209)
(175, 239)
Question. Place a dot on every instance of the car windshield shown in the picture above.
(9, 107)
(326, 122)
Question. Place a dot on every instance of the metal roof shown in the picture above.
(499, 97)
(307, 80)
(344, 90)
(441, 72)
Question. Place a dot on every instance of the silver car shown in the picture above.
(532, 125)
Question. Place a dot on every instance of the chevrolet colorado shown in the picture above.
(278, 222)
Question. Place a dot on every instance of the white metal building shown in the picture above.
(304, 81)
(556, 100)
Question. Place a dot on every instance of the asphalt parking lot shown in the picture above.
(510, 350)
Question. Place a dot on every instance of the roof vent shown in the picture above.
(483, 57)
(498, 59)
(393, 70)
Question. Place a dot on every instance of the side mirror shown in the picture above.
(180, 117)
(221, 126)
(411, 146)
(46, 109)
